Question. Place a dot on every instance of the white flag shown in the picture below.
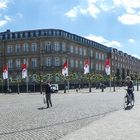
(24, 70)
(86, 66)
(5, 72)
(65, 69)
(107, 66)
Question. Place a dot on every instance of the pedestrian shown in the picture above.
(48, 94)
(130, 86)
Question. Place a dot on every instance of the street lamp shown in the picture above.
(89, 82)
(65, 83)
(114, 79)
(18, 80)
(137, 85)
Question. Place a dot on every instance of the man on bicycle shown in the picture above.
(130, 87)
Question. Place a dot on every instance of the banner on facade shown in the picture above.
(5, 72)
(107, 66)
(65, 69)
(86, 66)
(24, 71)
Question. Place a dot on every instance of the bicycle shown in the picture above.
(128, 100)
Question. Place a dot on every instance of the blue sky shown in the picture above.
(114, 23)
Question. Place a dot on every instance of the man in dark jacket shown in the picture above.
(130, 86)
(48, 95)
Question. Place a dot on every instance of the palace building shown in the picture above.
(45, 51)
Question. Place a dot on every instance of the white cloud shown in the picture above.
(132, 14)
(102, 40)
(93, 10)
(135, 55)
(72, 13)
(129, 5)
(90, 9)
(3, 4)
(131, 40)
(4, 21)
(129, 19)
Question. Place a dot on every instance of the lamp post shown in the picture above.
(137, 85)
(65, 83)
(89, 82)
(114, 79)
(41, 80)
(18, 80)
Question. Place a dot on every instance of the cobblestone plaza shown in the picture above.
(24, 116)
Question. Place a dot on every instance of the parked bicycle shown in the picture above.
(129, 100)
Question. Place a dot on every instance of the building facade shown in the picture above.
(123, 64)
(45, 51)
(48, 50)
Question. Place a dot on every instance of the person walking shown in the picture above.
(130, 86)
(48, 95)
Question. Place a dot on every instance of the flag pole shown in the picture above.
(2, 87)
(110, 82)
(27, 84)
(7, 79)
(8, 84)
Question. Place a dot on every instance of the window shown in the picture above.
(18, 63)
(25, 47)
(81, 64)
(63, 46)
(97, 55)
(96, 66)
(9, 49)
(16, 35)
(33, 47)
(34, 62)
(47, 46)
(76, 49)
(71, 49)
(42, 33)
(81, 51)
(92, 65)
(50, 32)
(17, 48)
(72, 63)
(26, 34)
(56, 46)
(37, 33)
(26, 61)
(57, 61)
(91, 53)
(0, 36)
(103, 56)
(100, 67)
(10, 63)
(32, 34)
(21, 35)
(76, 64)
(48, 61)
(85, 52)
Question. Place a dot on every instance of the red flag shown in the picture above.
(65, 69)
(24, 70)
(86, 66)
(107, 66)
(107, 62)
(5, 72)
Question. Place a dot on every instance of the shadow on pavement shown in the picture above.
(129, 107)
(41, 108)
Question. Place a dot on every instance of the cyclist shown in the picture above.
(130, 87)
